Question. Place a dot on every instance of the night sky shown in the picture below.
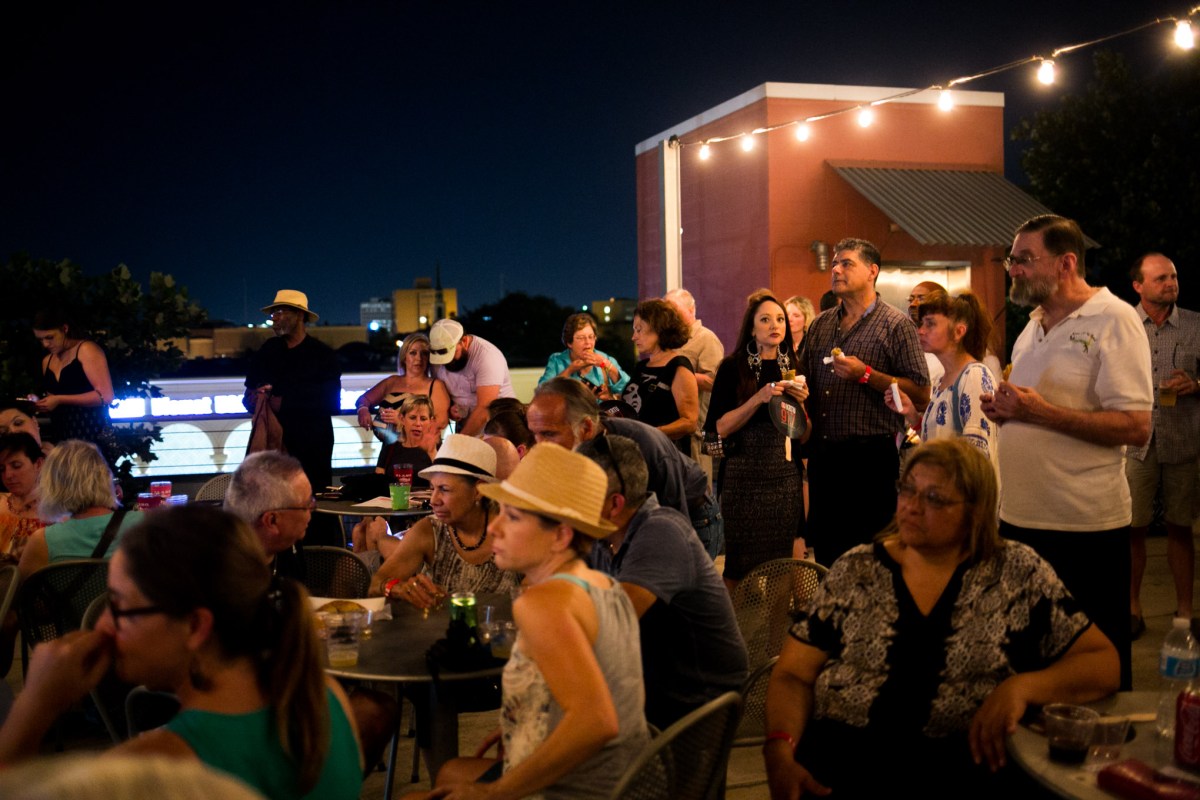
(342, 148)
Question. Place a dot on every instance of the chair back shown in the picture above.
(752, 728)
(10, 581)
(52, 601)
(767, 601)
(335, 572)
(214, 488)
(688, 760)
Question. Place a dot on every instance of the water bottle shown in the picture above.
(1177, 668)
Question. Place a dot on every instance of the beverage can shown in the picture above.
(1187, 728)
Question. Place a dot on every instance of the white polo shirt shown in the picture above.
(1096, 359)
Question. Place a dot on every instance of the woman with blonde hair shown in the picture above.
(413, 377)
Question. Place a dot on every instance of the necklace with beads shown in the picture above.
(458, 540)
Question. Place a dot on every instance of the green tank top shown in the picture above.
(247, 747)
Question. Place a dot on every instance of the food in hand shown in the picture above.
(895, 387)
(834, 353)
(1007, 372)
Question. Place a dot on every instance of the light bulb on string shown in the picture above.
(945, 100)
(747, 142)
(803, 132)
(866, 117)
(1185, 37)
(705, 152)
(1045, 72)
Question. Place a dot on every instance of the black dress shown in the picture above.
(762, 493)
(89, 423)
(649, 394)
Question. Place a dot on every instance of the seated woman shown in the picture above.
(21, 462)
(418, 439)
(581, 360)
(662, 389)
(75, 482)
(927, 647)
(194, 610)
(571, 720)
(413, 376)
(451, 550)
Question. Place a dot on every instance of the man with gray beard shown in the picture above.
(1079, 392)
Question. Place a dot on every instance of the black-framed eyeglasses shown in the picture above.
(119, 613)
(930, 497)
(603, 448)
(312, 504)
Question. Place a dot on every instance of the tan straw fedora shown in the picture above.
(557, 483)
(292, 299)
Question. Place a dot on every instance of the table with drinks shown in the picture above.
(394, 651)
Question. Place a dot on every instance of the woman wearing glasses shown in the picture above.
(194, 610)
(581, 360)
(927, 646)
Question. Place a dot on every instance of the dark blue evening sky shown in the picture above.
(343, 148)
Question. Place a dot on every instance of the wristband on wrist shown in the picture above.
(387, 587)
(866, 375)
(780, 736)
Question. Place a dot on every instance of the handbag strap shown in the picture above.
(110, 532)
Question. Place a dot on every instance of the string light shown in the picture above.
(1184, 37)
(1045, 73)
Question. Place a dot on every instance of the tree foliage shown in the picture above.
(132, 324)
(1121, 157)
(526, 328)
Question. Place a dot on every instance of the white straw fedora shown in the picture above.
(558, 483)
(464, 455)
(292, 299)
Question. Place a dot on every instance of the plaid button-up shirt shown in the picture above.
(1174, 431)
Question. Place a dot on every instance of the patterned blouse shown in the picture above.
(16, 526)
(449, 570)
(892, 667)
(954, 411)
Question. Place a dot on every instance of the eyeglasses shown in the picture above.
(1022, 261)
(118, 614)
(908, 492)
(603, 448)
(312, 503)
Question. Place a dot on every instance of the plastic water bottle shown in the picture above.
(1177, 667)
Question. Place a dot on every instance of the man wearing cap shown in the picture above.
(300, 377)
(692, 650)
(474, 371)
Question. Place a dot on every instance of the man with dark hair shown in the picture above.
(1078, 394)
(1168, 462)
(852, 354)
(692, 650)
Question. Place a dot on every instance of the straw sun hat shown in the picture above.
(560, 484)
(292, 299)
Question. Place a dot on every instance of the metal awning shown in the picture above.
(947, 206)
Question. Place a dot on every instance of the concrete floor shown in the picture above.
(1158, 600)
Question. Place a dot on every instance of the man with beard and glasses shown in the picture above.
(474, 371)
(1079, 392)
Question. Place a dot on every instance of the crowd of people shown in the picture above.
(607, 498)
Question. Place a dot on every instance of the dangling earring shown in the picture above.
(754, 359)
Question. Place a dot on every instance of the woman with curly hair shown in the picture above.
(662, 389)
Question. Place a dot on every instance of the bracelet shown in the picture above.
(866, 375)
(780, 736)
(387, 587)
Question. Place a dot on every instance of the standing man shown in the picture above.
(1079, 392)
(301, 379)
(473, 369)
(692, 650)
(1169, 460)
(851, 355)
(705, 351)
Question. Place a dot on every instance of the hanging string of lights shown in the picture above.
(1184, 38)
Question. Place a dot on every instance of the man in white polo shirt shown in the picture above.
(474, 370)
(1079, 392)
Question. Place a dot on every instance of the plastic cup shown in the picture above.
(499, 636)
(399, 492)
(342, 635)
(402, 473)
(1108, 736)
(1166, 396)
(1069, 731)
(160, 489)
